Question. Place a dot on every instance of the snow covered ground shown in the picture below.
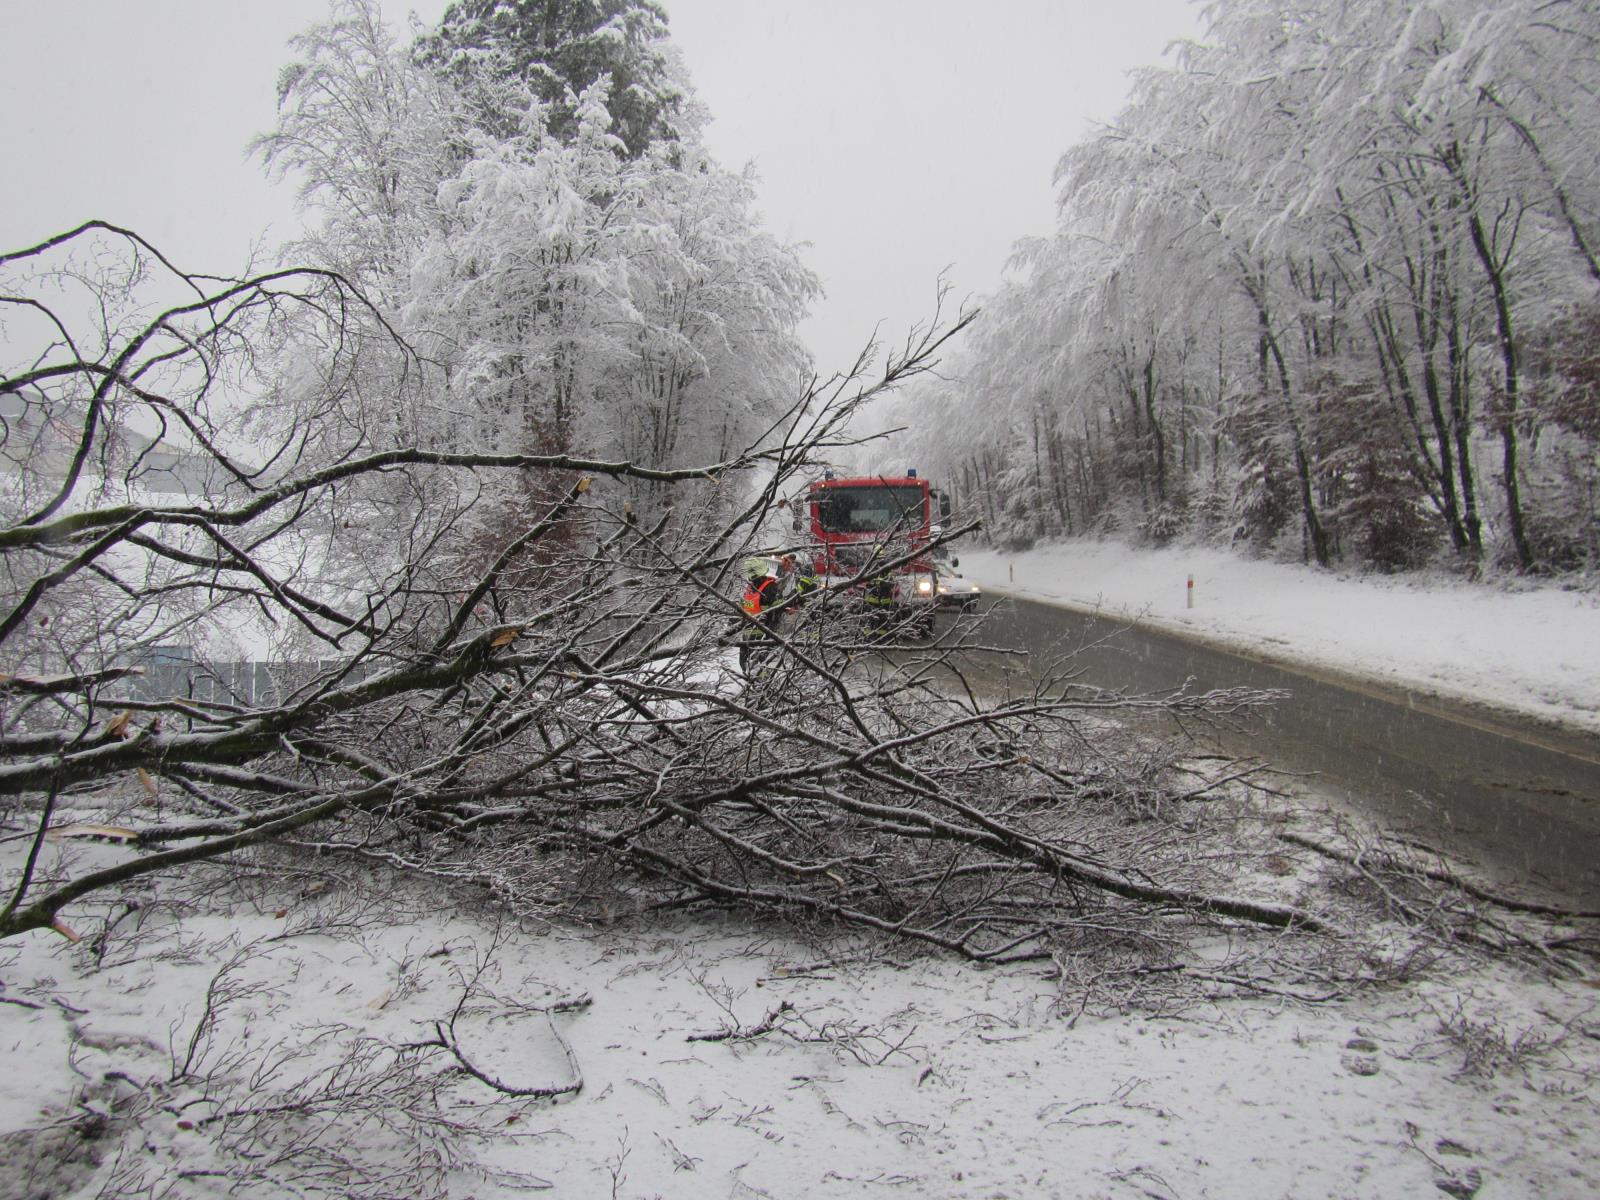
(305, 1034)
(1529, 649)
(923, 1079)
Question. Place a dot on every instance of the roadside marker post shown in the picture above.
(1191, 591)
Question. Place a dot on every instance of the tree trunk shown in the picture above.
(1316, 534)
(1460, 401)
(1155, 425)
(1509, 411)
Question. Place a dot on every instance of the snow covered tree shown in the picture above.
(557, 50)
(629, 306)
(1568, 409)
(711, 303)
(1318, 208)
(368, 136)
(579, 295)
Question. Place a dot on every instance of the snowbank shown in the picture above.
(1528, 649)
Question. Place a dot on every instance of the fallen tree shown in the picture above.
(521, 687)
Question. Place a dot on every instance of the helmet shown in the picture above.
(755, 568)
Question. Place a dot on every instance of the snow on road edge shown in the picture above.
(1533, 650)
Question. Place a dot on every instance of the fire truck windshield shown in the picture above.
(869, 509)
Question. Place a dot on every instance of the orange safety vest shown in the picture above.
(756, 594)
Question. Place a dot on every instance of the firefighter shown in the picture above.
(804, 572)
(881, 606)
(764, 588)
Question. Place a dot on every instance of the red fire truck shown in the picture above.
(875, 530)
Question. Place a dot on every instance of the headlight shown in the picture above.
(924, 585)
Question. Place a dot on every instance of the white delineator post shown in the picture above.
(1191, 591)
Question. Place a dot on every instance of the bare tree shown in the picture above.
(555, 715)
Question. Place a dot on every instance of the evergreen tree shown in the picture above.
(557, 50)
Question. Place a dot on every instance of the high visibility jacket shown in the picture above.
(880, 593)
(759, 595)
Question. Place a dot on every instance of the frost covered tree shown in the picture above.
(557, 50)
(367, 136)
(710, 304)
(1324, 223)
(631, 307)
(580, 293)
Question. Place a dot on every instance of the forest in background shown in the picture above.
(1327, 288)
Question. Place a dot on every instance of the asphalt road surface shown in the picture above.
(1520, 801)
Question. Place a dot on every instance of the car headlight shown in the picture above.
(924, 585)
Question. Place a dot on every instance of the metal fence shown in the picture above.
(173, 672)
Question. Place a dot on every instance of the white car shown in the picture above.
(957, 591)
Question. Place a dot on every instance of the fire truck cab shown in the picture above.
(870, 534)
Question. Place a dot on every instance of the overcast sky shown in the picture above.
(899, 138)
